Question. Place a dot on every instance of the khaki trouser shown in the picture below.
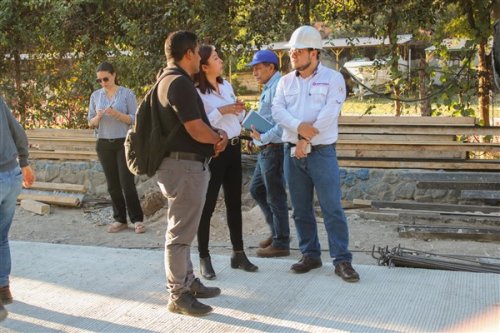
(184, 183)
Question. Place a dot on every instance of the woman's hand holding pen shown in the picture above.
(112, 113)
(117, 115)
(94, 122)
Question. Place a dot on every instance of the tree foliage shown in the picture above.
(52, 47)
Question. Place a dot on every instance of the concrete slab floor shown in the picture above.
(65, 288)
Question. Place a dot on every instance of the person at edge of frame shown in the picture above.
(15, 172)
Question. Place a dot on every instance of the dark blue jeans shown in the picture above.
(10, 187)
(318, 171)
(268, 188)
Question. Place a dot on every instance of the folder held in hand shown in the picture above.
(253, 118)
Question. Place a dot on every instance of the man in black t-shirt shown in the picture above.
(183, 174)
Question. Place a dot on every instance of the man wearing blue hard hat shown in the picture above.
(268, 186)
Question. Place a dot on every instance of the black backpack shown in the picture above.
(147, 130)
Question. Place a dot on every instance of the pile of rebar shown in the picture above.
(402, 257)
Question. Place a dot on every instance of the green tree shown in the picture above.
(384, 19)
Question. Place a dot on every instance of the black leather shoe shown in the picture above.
(200, 291)
(3, 312)
(305, 264)
(206, 269)
(187, 304)
(345, 270)
(240, 260)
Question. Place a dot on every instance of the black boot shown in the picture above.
(240, 260)
(200, 291)
(187, 304)
(206, 269)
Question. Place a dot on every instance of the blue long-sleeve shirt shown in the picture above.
(123, 101)
(266, 101)
(13, 140)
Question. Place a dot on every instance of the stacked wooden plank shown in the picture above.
(364, 141)
(62, 144)
(41, 195)
(416, 142)
(467, 220)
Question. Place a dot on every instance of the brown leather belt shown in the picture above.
(180, 155)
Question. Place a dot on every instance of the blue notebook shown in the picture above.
(253, 118)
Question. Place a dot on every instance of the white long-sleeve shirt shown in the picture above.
(316, 99)
(227, 122)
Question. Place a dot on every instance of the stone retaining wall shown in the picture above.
(357, 183)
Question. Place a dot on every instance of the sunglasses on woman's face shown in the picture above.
(104, 79)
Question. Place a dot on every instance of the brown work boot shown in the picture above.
(5, 295)
(271, 251)
(3, 311)
(345, 270)
(305, 264)
(187, 304)
(266, 242)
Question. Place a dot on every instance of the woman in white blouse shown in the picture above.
(226, 113)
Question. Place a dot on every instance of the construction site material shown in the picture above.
(406, 121)
(477, 194)
(63, 155)
(458, 185)
(70, 201)
(420, 217)
(449, 232)
(437, 177)
(35, 206)
(402, 257)
(420, 130)
(433, 218)
(362, 202)
(493, 165)
(58, 187)
(447, 143)
(436, 207)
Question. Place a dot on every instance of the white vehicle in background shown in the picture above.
(374, 74)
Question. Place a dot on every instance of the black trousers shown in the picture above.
(226, 172)
(121, 185)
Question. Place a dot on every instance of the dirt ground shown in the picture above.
(87, 226)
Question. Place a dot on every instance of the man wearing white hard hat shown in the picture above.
(268, 187)
(307, 105)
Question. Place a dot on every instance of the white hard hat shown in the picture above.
(305, 37)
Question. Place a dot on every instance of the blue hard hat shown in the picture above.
(264, 56)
